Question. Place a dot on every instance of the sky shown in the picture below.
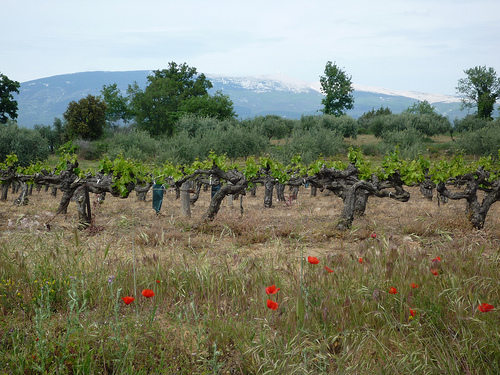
(406, 45)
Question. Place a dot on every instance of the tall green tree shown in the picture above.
(218, 106)
(170, 93)
(479, 89)
(337, 87)
(117, 106)
(421, 108)
(86, 118)
(8, 106)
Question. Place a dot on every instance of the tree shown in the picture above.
(337, 87)
(86, 118)
(218, 106)
(117, 107)
(8, 106)
(421, 108)
(480, 88)
(171, 93)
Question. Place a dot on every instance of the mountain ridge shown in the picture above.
(41, 100)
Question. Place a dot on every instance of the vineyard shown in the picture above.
(378, 267)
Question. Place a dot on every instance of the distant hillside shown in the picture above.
(41, 100)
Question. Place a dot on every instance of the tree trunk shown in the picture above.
(23, 197)
(268, 193)
(83, 208)
(253, 190)
(360, 203)
(280, 192)
(185, 199)
(314, 191)
(5, 190)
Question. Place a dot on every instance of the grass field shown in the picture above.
(61, 290)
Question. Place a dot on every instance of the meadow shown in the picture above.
(406, 290)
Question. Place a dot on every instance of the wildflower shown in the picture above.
(148, 293)
(437, 259)
(414, 286)
(313, 260)
(111, 278)
(272, 289)
(393, 290)
(328, 269)
(373, 235)
(128, 300)
(272, 305)
(360, 260)
(485, 307)
(435, 271)
(412, 312)
(158, 281)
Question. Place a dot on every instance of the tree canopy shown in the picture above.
(117, 107)
(86, 118)
(337, 87)
(8, 106)
(171, 93)
(479, 89)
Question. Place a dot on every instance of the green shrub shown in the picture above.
(427, 124)
(410, 142)
(484, 142)
(27, 144)
(470, 123)
(310, 144)
(344, 125)
(134, 145)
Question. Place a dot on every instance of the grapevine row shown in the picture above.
(354, 181)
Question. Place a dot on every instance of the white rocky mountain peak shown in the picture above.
(283, 82)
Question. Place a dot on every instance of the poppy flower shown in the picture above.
(435, 272)
(313, 260)
(393, 290)
(128, 300)
(414, 286)
(485, 307)
(272, 305)
(328, 269)
(148, 293)
(437, 259)
(373, 235)
(412, 312)
(360, 260)
(158, 281)
(272, 289)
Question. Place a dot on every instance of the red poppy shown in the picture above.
(373, 235)
(360, 260)
(148, 293)
(158, 281)
(272, 289)
(313, 260)
(393, 290)
(272, 305)
(414, 286)
(435, 272)
(485, 307)
(328, 269)
(412, 312)
(128, 300)
(437, 259)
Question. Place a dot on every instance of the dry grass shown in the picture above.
(209, 313)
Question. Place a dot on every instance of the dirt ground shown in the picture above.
(308, 223)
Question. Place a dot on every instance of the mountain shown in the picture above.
(41, 100)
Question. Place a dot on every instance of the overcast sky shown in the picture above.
(411, 45)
